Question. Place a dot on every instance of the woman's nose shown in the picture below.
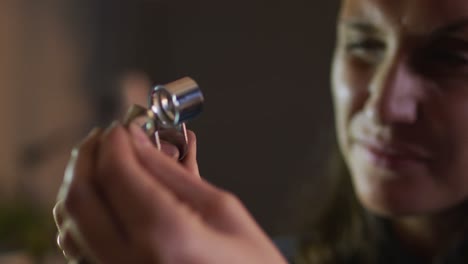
(394, 93)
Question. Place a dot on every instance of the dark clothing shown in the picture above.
(390, 252)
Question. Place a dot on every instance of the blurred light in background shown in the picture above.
(64, 63)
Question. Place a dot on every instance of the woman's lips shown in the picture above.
(394, 155)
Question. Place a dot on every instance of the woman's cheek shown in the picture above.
(341, 97)
(350, 91)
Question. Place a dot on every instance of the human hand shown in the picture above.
(123, 201)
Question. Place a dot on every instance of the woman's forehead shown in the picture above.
(416, 16)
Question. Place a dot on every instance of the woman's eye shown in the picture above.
(448, 58)
(369, 50)
(446, 55)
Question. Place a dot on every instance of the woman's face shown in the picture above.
(400, 88)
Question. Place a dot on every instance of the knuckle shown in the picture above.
(114, 159)
(223, 203)
(174, 243)
(228, 200)
(110, 173)
(109, 165)
(181, 249)
(189, 249)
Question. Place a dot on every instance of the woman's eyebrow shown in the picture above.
(361, 26)
(452, 27)
(366, 27)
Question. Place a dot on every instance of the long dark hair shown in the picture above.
(343, 231)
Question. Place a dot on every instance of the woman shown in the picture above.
(400, 75)
(399, 86)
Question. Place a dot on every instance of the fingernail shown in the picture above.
(170, 150)
(111, 127)
(93, 132)
(57, 212)
(60, 241)
(139, 136)
(90, 135)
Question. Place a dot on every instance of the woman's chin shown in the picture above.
(394, 202)
(387, 208)
(395, 192)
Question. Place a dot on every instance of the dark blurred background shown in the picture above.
(267, 127)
